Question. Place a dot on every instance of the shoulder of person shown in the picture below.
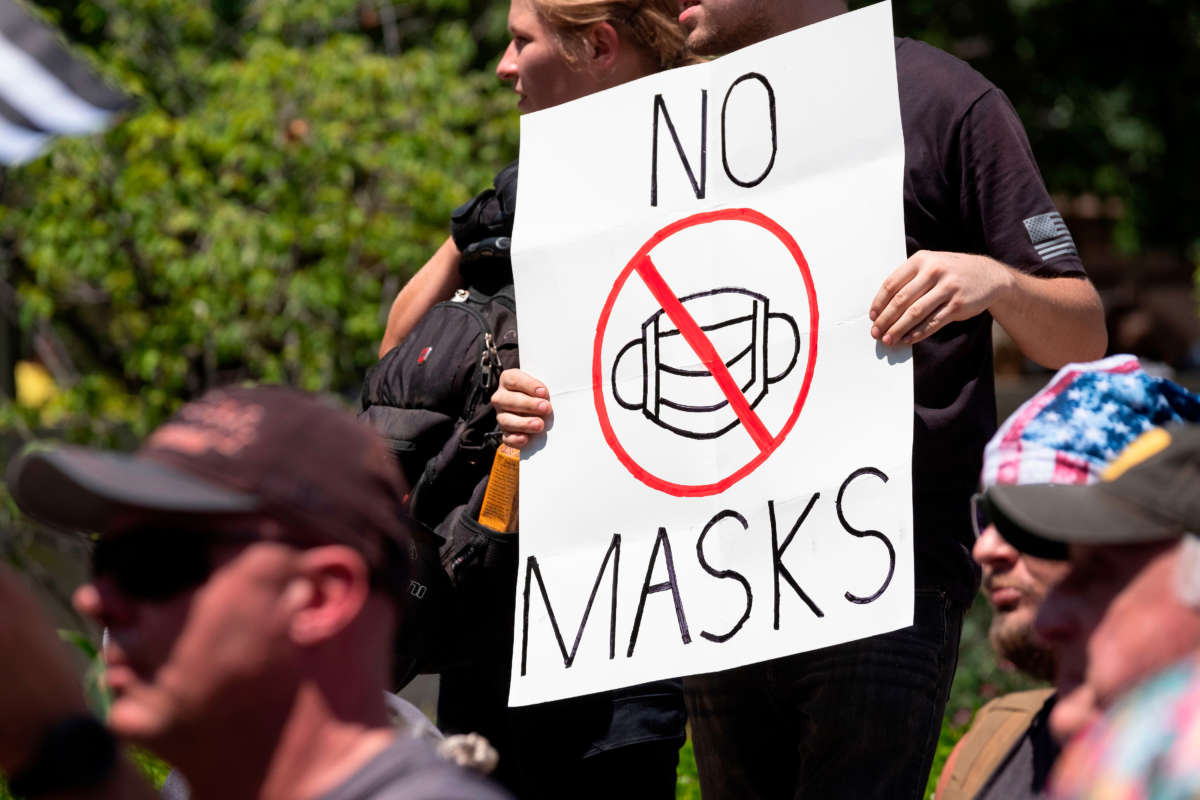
(993, 732)
(937, 81)
(1027, 702)
(410, 769)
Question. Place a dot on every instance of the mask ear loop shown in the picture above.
(1187, 572)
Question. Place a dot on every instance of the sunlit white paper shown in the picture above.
(655, 475)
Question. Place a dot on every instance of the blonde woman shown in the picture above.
(560, 50)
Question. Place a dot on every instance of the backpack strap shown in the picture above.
(467, 451)
(482, 230)
(489, 214)
(997, 727)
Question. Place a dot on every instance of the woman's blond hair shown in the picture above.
(654, 25)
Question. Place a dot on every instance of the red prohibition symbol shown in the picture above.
(696, 338)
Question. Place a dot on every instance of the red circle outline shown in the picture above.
(705, 490)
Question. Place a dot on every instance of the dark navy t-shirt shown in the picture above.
(971, 185)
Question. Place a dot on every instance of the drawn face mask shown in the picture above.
(678, 392)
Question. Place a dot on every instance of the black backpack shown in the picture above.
(430, 399)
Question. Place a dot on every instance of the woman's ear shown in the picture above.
(603, 41)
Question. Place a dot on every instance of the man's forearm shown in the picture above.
(1054, 321)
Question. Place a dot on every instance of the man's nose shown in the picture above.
(506, 70)
(993, 550)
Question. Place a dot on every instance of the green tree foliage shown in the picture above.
(290, 164)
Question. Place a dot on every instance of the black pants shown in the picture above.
(858, 720)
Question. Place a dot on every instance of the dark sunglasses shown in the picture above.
(981, 517)
(155, 565)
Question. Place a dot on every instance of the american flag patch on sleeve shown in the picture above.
(1050, 236)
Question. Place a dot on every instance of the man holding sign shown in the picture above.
(983, 239)
(859, 719)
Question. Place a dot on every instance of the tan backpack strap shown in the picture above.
(996, 728)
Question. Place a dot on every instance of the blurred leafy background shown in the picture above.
(291, 163)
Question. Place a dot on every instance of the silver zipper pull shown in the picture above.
(460, 296)
(489, 342)
(489, 360)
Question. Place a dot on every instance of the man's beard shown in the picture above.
(720, 36)
(1018, 645)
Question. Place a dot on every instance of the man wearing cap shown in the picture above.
(1067, 433)
(248, 565)
(1128, 606)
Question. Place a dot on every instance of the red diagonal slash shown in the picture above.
(703, 347)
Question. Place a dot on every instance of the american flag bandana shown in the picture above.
(1081, 420)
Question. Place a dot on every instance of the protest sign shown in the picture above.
(727, 477)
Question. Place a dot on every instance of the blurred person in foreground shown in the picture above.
(1127, 609)
(1067, 433)
(46, 719)
(249, 565)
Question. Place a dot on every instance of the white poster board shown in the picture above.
(727, 475)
